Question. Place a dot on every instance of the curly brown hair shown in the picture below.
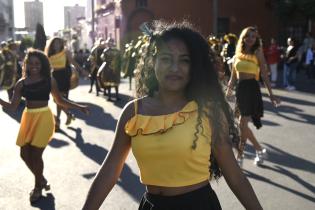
(203, 87)
(45, 65)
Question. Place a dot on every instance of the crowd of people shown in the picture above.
(183, 82)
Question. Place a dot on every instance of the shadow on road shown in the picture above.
(291, 100)
(17, 114)
(284, 172)
(287, 112)
(45, 202)
(98, 117)
(282, 158)
(128, 180)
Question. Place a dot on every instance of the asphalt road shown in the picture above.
(285, 181)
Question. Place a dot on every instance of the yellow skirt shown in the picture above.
(37, 127)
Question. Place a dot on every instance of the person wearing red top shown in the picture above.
(272, 54)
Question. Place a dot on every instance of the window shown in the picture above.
(141, 3)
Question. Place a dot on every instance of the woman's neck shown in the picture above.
(171, 99)
(247, 50)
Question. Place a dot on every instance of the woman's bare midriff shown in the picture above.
(171, 191)
(243, 76)
(36, 104)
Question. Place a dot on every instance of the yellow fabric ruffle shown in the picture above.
(58, 61)
(145, 125)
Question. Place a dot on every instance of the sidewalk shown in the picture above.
(303, 84)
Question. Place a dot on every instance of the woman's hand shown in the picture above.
(275, 101)
(228, 92)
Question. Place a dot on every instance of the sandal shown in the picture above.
(35, 194)
(70, 118)
(45, 185)
(57, 124)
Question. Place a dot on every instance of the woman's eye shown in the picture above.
(165, 59)
(186, 60)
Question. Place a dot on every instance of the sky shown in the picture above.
(53, 13)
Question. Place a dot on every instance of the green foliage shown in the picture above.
(28, 41)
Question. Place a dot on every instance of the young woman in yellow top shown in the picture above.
(60, 59)
(179, 122)
(249, 64)
(37, 122)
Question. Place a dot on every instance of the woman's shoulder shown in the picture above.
(129, 109)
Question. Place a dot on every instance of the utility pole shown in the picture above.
(215, 16)
(93, 21)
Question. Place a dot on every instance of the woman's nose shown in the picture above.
(174, 66)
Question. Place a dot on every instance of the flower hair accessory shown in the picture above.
(146, 30)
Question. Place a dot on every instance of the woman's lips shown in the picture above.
(173, 77)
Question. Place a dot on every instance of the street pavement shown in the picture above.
(73, 157)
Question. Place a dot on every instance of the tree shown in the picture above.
(40, 38)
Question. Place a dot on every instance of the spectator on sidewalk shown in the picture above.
(290, 65)
(309, 62)
(272, 54)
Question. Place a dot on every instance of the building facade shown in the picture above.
(33, 14)
(72, 15)
(120, 19)
(6, 20)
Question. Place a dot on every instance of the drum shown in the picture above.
(8, 74)
(107, 77)
(74, 79)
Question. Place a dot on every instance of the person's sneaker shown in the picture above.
(240, 161)
(290, 88)
(260, 155)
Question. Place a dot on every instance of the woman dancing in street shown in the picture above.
(249, 63)
(178, 123)
(60, 60)
(37, 122)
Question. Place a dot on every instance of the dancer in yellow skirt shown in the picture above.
(37, 123)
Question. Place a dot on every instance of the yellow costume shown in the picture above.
(247, 64)
(162, 146)
(37, 127)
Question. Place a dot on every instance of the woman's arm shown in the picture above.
(64, 102)
(231, 82)
(16, 98)
(112, 166)
(232, 173)
(264, 74)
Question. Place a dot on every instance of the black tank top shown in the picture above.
(38, 91)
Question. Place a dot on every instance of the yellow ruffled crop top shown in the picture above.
(162, 146)
(58, 61)
(247, 64)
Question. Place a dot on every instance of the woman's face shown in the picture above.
(34, 65)
(57, 45)
(172, 66)
(250, 38)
